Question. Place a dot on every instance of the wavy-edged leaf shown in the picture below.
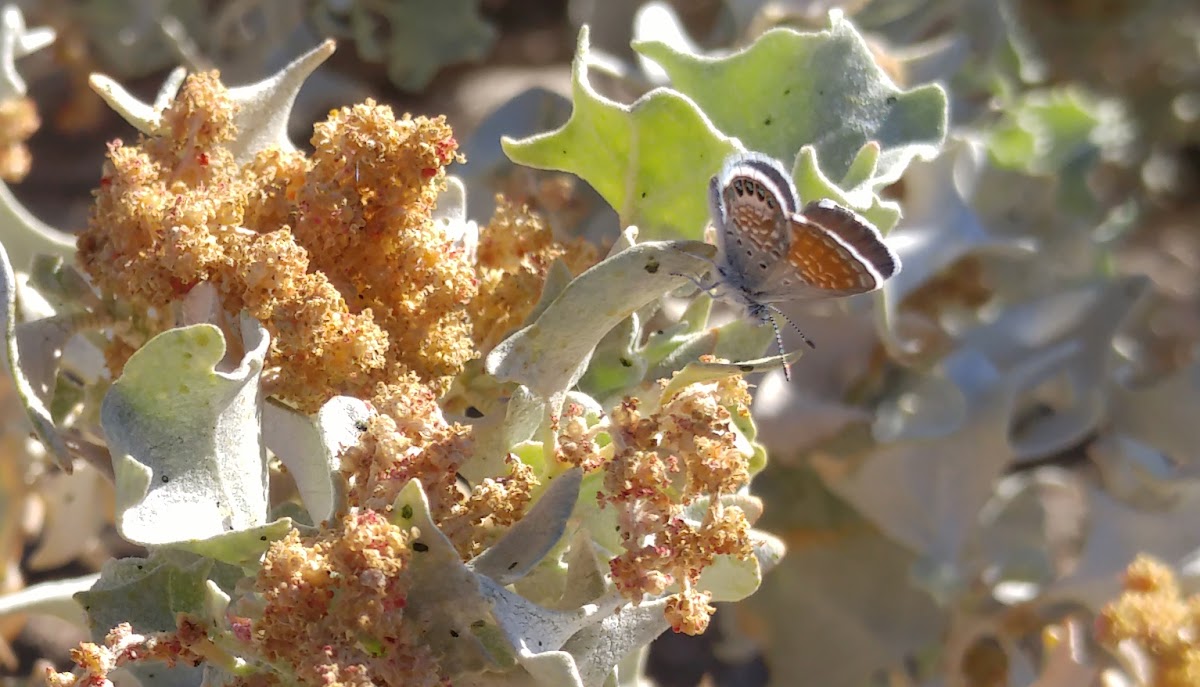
(184, 429)
(650, 160)
(790, 89)
(309, 446)
(533, 536)
(549, 355)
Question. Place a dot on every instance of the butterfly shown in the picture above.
(770, 250)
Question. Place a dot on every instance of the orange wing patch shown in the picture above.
(825, 263)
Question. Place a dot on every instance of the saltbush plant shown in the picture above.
(366, 440)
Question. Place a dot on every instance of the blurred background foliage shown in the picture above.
(967, 463)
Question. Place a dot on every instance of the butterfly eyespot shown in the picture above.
(749, 253)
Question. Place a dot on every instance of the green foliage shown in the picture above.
(776, 96)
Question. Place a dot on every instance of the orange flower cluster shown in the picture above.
(1158, 620)
(664, 461)
(18, 121)
(336, 253)
(515, 252)
(333, 607)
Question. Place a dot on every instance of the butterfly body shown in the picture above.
(772, 250)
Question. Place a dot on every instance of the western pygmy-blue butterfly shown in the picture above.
(769, 250)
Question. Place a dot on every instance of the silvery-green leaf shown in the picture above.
(1118, 533)
(145, 117)
(700, 372)
(616, 364)
(812, 183)
(147, 593)
(650, 160)
(54, 598)
(488, 170)
(35, 408)
(1023, 529)
(444, 601)
(263, 108)
(1088, 315)
(600, 647)
(17, 41)
(549, 355)
(1135, 473)
(497, 433)
(529, 540)
(1163, 414)
(25, 236)
(309, 446)
(76, 514)
(841, 595)
(657, 21)
(926, 493)
(418, 40)
(939, 226)
(184, 428)
(587, 572)
(451, 213)
(779, 94)
(733, 579)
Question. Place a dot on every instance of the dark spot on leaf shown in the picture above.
(406, 512)
(626, 362)
(820, 92)
(746, 368)
(652, 266)
(643, 194)
(263, 538)
(474, 413)
(890, 100)
(512, 565)
(767, 121)
(165, 479)
(420, 547)
(787, 91)
(454, 633)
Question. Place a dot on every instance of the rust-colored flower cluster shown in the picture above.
(515, 252)
(18, 121)
(664, 461)
(336, 253)
(1153, 616)
(188, 645)
(409, 438)
(333, 607)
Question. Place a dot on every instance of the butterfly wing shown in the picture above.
(751, 200)
(832, 251)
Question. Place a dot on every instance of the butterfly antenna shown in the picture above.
(787, 369)
(794, 327)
